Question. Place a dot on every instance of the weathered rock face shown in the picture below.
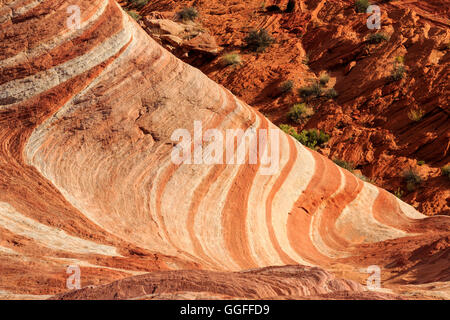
(87, 178)
(368, 123)
(187, 41)
(288, 282)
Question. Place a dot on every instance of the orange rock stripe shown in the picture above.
(169, 171)
(107, 25)
(335, 206)
(234, 214)
(276, 187)
(323, 184)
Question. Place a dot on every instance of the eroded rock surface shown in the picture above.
(86, 176)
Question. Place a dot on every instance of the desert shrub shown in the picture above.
(139, 4)
(398, 193)
(313, 90)
(331, 93)
(230, 59)
(188, 14)
(324, 78)
(420, 163)
(412, 179)
(286, 86)
(290, 6)
(313, 138)
(376, 38)
(289, 130)
(300, 112)
(136, 16)
(258, 40)
(362, 5)
(446, 170)
(398, 72)
(416, 114)
(400, 59)
(344, 164)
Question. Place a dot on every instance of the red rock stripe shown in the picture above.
(323, 184)
(234, 214)
(198, 196)
(334, 208)
(169, 171)
(20, 184)
(40, 22)
(106, 26)
(276, 187)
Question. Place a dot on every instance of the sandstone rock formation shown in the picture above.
(368, 123)
(86, 175)
(187, 41)
(289, 282)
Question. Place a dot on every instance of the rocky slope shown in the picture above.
(369, 122)
(87, 178)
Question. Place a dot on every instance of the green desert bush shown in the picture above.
(331, 93)
(258, 40)
(286, 86)
(313, 90)
(313, 138)
(230, 59)
(412, 179)
(188, 14)
(376, 38)
(399, 193)
(300, 112)
(290, 130)
(398, 71)
(362, 5)
(400, 59)
(416, 114)
(344, 164)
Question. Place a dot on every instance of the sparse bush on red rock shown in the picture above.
(258, 40)
(188, 14)
(300, 112)
(412, 179)
(376, 38)
(362, 5)
(231, 59)
(416, 114)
